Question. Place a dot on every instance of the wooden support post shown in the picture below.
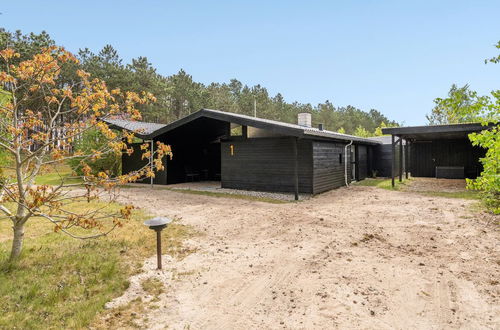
(407, 159)
(368, 162)
(228, 130)
(356, 163)
(401, 159)
(166, 170)
(158, 248)
(151, 161)
(244, 131)
(393, 160)
(296, 168)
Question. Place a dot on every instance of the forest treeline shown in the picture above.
(179, 95)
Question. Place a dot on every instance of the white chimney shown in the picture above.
(304, 119)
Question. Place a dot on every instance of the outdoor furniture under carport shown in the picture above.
(191, 174)
(450, 172)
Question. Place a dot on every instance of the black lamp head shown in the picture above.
(157, 223)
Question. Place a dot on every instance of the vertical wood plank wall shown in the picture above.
(362, 162)
(425, 156)
(329, 169)
(382, 158)
(266, 164)
(329, 172)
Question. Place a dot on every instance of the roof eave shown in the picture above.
(451, 128)
(136, 134)
(229, 117)
(354, 139)
(276, 127)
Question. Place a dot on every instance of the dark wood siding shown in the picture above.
(382, 160)
(329, 171)
(369, 160)
(266, 164)
(426, 155)
(362, 162)
(422, 164)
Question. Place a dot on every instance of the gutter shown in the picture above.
(345, 162)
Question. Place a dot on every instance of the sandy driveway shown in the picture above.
(352, 258)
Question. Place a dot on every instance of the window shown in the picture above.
(340, 158)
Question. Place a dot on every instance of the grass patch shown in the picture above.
(153, 286)
(226, 195)
(386, 184)
(57, 174)
(5, 158)
(382, 183)
(124, 317)
(60, 282)
(53, 175)
(56, 179)
(456, 194)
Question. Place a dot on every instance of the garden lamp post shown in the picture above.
(157, 224)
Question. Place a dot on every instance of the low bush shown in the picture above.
(109, 162)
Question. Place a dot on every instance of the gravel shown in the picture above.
(214, 186)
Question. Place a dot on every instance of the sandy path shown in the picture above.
(357, 257)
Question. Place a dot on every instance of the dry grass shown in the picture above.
(406, 184)
(153, 286)
(74, 279)
(124, 317)
(468, 194)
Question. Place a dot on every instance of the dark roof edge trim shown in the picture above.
(229, 117)
(469, 127)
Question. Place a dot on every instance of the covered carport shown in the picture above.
(196, 146)
(442, 151)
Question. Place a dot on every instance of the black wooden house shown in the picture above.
(244, 152)
(251, 153)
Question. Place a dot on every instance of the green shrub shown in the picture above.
(464, 105)
(488, 183)
(109, 162)
(5, 157)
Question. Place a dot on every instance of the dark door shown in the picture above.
(422, 161)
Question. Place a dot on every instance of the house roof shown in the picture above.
(384, 139)
(450, 131)
(151, 130)
(141, 128)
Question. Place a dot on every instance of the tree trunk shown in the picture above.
(17, 242)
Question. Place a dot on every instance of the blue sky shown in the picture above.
(394, 56)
